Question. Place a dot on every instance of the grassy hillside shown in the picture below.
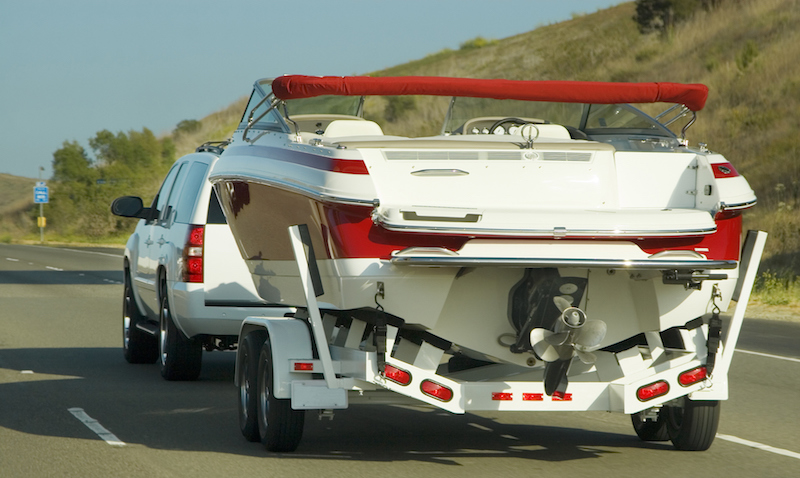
(745, 52)
(16, 200)
(217, 126)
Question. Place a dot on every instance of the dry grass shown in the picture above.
(16, 200)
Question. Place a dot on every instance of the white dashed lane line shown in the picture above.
(760, 446)
(96, 427)
(753, 444)
(779, 357)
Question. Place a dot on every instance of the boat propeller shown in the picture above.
(572, 335)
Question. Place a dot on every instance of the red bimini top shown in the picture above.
(596, 92)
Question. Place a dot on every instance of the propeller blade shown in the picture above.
(559, 338)
(586, 357)
(541, 347)
(561, 303)
(590, 335)
(566, 351)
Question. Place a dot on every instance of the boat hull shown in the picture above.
(463, 302)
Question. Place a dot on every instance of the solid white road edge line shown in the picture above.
(760, 446)
(780, 357)
(95, 426)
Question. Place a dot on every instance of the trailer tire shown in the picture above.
(650, 430)
(137, 346)
(279, 426)
(693, 425)
(248, 355)
(180, 357)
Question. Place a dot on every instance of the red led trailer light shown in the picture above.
(396, 375)
(502, 396)
(304, 366)
(649, 392)
(690, 377)
(193, 255)
(436, 390)
(532, 397)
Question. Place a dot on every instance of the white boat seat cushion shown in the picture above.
(340, 128)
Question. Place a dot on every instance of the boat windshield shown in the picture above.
(474, 113)
(478, 115)
(259, 111)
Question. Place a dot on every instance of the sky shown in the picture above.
(71, 68)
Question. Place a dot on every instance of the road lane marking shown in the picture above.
(780, 357)
(117, 256)
(96, 427)
(53, 268)
(12, 259)
(760, 446)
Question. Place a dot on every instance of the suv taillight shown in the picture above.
(193, 255)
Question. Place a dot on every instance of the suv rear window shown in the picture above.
(191, 187)
(215, 214)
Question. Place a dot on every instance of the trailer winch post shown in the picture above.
(304, 255)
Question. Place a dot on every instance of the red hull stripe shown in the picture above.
(299, 86)
(316, 161)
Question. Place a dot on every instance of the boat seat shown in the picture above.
(340, 128)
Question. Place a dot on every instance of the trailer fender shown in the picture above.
(289, 339)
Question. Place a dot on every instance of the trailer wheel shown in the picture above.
(650, 430)
(248, 383)
(692, 425)
(180, 357)
(137, 346)
(279, 427)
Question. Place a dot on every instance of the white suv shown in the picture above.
(186, 285)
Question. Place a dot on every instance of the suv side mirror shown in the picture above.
(130, 206)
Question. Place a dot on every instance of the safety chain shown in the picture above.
(714, 331)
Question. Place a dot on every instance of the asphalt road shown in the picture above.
(62, 375)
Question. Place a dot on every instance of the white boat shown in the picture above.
(550, 228)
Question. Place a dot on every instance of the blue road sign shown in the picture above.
(41, 194)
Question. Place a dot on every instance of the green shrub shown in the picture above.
(477, 42)
(747, 55)
(772, 288)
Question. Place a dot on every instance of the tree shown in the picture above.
(70, 163)
(126, 164)
(187, 126)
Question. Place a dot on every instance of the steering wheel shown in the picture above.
(503, 121)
